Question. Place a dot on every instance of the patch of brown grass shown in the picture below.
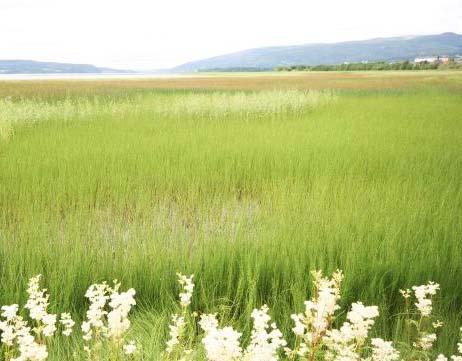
(240, 81)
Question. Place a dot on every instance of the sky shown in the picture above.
(154, 34)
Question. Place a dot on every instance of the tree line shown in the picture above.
(403, 65)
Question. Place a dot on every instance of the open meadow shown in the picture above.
(248, 182)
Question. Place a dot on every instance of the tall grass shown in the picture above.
(247, 190)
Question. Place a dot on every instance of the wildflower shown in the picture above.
(437, 324)
(222, 344)
(37, 305)
(16, 333)
(130, 348)
(459, 345)
(383, 350)
(188, 287)
(9, 312)
(10, 326)
(97, 294)
(38, 299)
(425, 341)
(87, 331)
(208, 322)
(312, 325)
(176, 329)
(299, 328)
(29, 349)
(441, 357)
(107, 316)
(49, 322)
(423, 294)
(345, 343)
(406, 293)
(67, 323)
(362, 319)
(8, 333)
(263, 344)
(121, 304)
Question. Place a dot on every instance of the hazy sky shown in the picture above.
(150, 34)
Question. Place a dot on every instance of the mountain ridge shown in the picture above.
(21, 66)
(377, 49)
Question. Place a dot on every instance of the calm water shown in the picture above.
(84, 76)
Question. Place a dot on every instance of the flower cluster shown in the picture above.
(37, 305)
(346, 343)
(221, 344)
(17, 337)
(266, 339)
(424, 305)
(311, 326)
(106, 325)
(423, 295)
(177, 327)
(23, 342)
(176, 330)
(107, 318)
(67, 323)
(188, 288)
(383, 350)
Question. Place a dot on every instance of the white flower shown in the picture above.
(299, 328)
(130, 348)
(49, 322)
(18, 333)
(361, 319)
(188, 288)
(423, 294)
(9, 312)
(459, 345)
(8, 333)
(425, 342)
(265, 340)
(437, 324)
(441, 357)
(117, 319)
(37, 305)
(97, 294)
(108, 312)
(30, 350)
(406, 293)
(319, 311)
(208, 322)
(176, 330)
(344, 343)
(68, 323)
(38, 299)
(222, 344)
(383, 350)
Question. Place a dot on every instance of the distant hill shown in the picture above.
(381, 49)
(40, 67)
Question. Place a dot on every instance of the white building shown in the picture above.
(433, 60)
(429, 59)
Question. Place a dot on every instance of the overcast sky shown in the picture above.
(151, 34)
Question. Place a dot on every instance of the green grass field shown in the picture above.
(249, 190)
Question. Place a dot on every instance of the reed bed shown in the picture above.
(248, 190)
